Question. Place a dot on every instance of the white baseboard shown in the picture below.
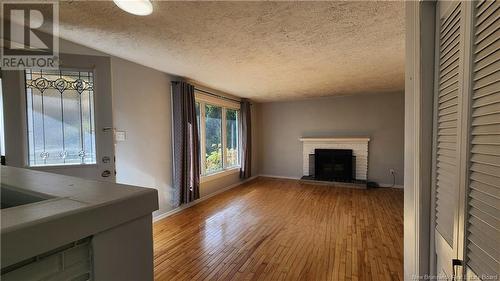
(190, 204)
(390, 185)
(278, 177)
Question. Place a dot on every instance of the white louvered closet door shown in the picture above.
(449, 66)
(466, 155)
(482, 226)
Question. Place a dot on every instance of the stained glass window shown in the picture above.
(60, 111)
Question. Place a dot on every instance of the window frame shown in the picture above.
(202, 100)
(2, 123)
(224, 145)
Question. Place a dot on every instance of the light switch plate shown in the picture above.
(120, 135)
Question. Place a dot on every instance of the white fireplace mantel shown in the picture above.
(359, 146)
(352, 139)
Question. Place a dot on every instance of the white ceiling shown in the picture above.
(265, 51)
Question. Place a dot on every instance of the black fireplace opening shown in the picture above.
(334, 165)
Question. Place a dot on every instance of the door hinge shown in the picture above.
(454, 264)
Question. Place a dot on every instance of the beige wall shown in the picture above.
(380, 116)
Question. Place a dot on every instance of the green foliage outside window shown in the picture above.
(232, 137)
(213, 135)
(213, 159)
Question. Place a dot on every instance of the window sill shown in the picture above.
(220, 174)
(59, 166)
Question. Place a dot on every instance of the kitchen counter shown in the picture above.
(70, 209)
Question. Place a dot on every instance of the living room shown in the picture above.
(245, 140)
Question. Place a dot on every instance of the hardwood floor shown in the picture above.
(281, 229)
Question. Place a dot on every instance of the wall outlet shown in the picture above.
(392, 171)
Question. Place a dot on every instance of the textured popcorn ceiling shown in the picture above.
(266, 51)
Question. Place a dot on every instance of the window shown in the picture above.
(232, 139)
(218, 127)
(60, 112)
(2, 126)
(213, 138)
(2, 132)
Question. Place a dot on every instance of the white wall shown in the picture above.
(141, 108)
(419, 252)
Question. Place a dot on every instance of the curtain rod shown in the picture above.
(215, 95)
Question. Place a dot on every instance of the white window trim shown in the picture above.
(220, 174)
(203, 99)
(203, 151)
(200, 97)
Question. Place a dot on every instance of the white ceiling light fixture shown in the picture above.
(136, 7)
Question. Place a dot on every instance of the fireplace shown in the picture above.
(334, 165)
(341, 160)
